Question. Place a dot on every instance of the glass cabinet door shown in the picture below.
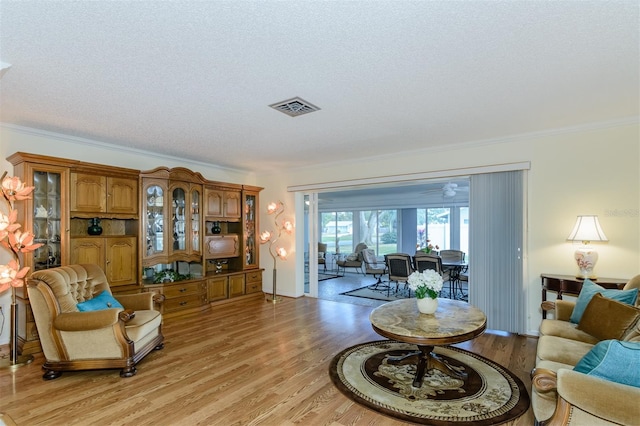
(47, 229)
(154, 220)
(178, 220)
(195, 221)
(250, 200)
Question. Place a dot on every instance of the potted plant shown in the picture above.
(426, 285)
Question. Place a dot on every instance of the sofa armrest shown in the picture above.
(83, 321)
(137, 301)
(584, 399)
(563, 308)
(543, 380)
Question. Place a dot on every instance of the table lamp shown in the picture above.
(586, 230)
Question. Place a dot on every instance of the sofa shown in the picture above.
(587, 359)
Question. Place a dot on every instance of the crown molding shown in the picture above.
(110, 147)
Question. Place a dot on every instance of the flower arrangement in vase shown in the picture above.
(430, 247)
(426, 285)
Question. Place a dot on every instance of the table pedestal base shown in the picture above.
(428, 360)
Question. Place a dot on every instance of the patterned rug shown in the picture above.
(381, 294)
(490, 395)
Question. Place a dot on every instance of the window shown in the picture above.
(379, 230)
(437, 226)
(337, 231)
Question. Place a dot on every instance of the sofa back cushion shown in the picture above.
(606, 318)
(73, 284)
(589, 288)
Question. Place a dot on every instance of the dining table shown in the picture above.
(455, 268)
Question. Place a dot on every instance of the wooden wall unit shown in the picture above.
(59, 183)
(152, 222)
(179, 209)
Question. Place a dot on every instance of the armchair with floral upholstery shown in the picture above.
(83, 327)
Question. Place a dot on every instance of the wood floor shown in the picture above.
(254, 363)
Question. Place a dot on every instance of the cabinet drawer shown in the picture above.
(185, 302)
(253, 287)
(221, 246)
(253, 277)
(187, 289)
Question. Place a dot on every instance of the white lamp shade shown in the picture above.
(587, 228)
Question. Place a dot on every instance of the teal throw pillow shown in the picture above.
(589, 288)
(102, 301)
(610, 360)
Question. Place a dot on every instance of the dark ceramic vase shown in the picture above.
(216, 228)
(94, 226)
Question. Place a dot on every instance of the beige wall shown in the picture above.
(579, 172)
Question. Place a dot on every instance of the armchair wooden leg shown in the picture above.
(159, 347)
(50, 374)
(128, 371)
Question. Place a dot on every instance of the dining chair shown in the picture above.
(399, 268)
(452, 255)
(455, 271)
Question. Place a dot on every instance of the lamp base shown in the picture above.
(586, 258)
(21, 361)
(274, 299)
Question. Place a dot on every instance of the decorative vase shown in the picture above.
(427, 305)
(216, 228)
(94, 226)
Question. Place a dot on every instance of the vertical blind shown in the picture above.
(496, 236)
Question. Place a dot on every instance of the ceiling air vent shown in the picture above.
(294, 107)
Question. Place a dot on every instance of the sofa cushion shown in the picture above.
(566, 329)
(102, 301)
(558, 349)
(610, 360)
(589, 288)
(606, 318)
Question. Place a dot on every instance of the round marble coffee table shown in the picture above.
(454, 322)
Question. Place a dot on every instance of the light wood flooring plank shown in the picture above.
(251, 363)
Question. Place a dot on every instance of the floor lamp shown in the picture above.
(270, 237)
(11, 275)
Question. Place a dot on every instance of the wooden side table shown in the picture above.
(571, 285)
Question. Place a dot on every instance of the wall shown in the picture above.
(589, 171)
(576, 171)
(14, 139)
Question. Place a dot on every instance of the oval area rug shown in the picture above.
(490, 395)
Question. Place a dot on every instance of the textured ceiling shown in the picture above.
(194, 79)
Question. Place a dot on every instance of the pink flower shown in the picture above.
(14, 189)
(8, 224)
(11, 275)
(22, 242)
